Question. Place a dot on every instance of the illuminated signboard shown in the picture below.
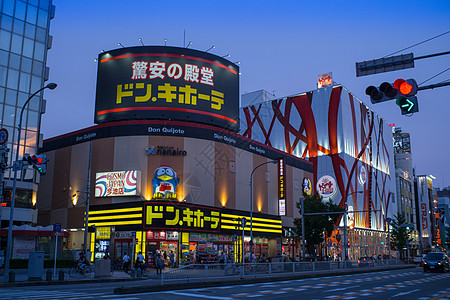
(307, 186)
(362, 175)
(164, 183)
(281, 187)
(171, 83)
(120, 183)
(325, 80)
(180, 216)
(326, 186)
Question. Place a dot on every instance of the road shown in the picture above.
(399, 284)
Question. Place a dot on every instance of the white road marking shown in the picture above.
(201, 296)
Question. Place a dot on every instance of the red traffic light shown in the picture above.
(405, 88)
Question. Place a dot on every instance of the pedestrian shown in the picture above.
(126, 262)
(140, 261)
(172, 259)
(159, 264)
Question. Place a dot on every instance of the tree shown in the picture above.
(317, 225)
(400, 234)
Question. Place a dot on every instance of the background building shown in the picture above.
(350, 148)
(24, 42)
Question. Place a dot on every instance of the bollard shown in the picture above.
(61, 275)
(138, 272)
(12, 277)
(48, 275)
(133, 273)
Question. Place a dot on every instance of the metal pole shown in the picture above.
(303, 228)
(389, 241)
(56, 255)
(13, 196)
(251, 204)
(88, 196)
(345, 235)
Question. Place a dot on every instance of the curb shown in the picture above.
(60, 282)
(220, 282)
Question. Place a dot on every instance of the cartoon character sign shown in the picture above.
(164, 183)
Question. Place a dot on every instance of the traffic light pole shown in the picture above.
(16, 167)
(433, 86)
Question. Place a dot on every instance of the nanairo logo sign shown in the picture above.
(326, 186)
(165, 151)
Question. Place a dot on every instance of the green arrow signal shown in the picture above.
(410, 104)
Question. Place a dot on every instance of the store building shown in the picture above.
(165, 168)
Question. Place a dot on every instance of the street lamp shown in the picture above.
(345, 223)
(251, 204)
(17, 167)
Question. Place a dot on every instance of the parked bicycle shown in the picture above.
(82, 269)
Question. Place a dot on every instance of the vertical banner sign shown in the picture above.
(281, 187)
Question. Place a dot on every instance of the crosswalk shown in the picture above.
(56, 295)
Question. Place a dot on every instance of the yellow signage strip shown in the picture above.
(115, 217)
(257, 219)
(115, 211)
(248, 229)
(254, 224)
(115, 223)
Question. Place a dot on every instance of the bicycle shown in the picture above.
(85, 270)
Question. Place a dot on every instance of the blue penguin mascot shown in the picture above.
(164, 183)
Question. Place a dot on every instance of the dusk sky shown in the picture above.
(282, 47)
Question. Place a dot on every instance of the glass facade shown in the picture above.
(24, 41)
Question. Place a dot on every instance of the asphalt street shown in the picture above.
(399, 284)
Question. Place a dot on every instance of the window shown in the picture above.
(40, 34)
(36, 83)
(21, 99)
(18, 27)
(31, 14)
(14, 61)
(9, 115)
(8, 7)
(24, 84)
(20, 10)
(11, 97)
(30, 31)
(42, 18)
(13, 79)
(3, 58)
(5, 40)
(39, 51)
(44, 4)
(26, 65)
(16, 44)
(28, 48)
(37, 68)
(7, 23)
(2, 76)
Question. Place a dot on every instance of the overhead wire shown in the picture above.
(439, 35)
(434, 76)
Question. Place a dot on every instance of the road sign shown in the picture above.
(385, 64)
(57, 227)
(3, 136)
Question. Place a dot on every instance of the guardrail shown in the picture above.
(209, 271)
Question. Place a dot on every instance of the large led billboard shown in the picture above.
(167, 83)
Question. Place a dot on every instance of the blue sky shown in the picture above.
(282, 47)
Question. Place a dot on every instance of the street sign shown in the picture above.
(385, 64)
(3, 136)
(57, 227)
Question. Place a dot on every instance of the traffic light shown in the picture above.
(39, 162)
(384, 93)
(406, 100)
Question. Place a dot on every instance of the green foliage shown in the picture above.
(317, 225)
(400, 235)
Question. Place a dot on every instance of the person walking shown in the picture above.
(126, 262)
(159, 264)
(172, 259)
(140, 261)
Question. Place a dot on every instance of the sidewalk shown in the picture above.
(21, 278)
